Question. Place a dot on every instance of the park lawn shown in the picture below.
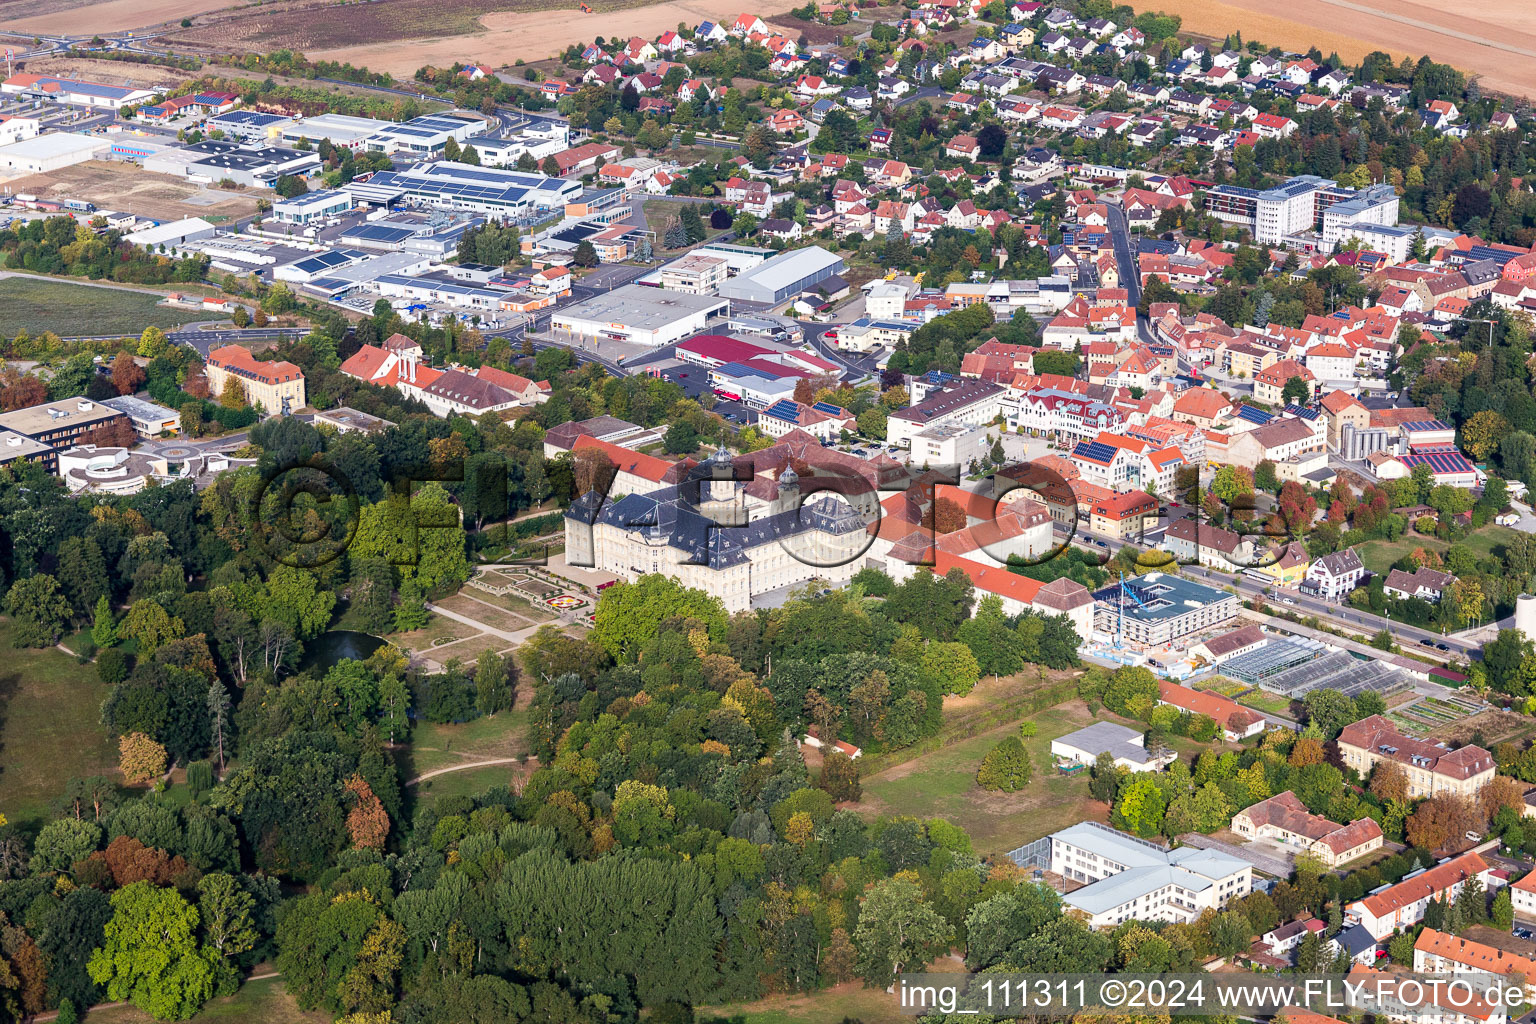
(1378, 556)
(1483, 540)
(470, 782)
(36, 305)
(257, 1002)
(50, 727)
(433, 746)
(942, 784)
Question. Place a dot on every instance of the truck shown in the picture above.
(80, 204)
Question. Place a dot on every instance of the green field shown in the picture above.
(257, 1002)
(1269, 703)
(50, 727)
(1378, 555)
(470, 782)
(943, 785)
(850, 1001)
(438, 746)
(36, 305)
(1483, 541)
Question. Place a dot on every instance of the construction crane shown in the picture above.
(1120, 625)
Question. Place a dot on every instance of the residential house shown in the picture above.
(1334, 575)
(1425, 583)
(1402, 905)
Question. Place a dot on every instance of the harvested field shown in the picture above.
(109, 72)
(131, 189)
(531, 34)
(67, 16)
(37, 304)
(318, 24)
(1496, 40)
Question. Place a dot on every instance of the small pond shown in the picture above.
(337, 645)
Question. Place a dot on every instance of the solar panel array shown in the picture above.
(783, 409)
(1419, 425)
(1253, 414)
(1094, 451)
(1440, 462)
(329, 260)
(1301, 412)
(828, 408)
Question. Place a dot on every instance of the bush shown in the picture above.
(112, 666)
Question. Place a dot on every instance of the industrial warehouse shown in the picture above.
(644, 316)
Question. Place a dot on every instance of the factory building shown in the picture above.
(784, 276)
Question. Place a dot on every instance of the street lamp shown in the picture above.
(1490, 323)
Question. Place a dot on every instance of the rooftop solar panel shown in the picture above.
(1095, 451)
(783, 410)
(827, 408)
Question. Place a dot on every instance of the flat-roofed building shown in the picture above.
(42, 153)
(695, 274)
(784, 276)
(1127, 746)
(16, 447)
(1159, 608)
(248, 125)
(347, 420)
(149, 419)
(426, 136)
(342, 130)
(453, 185)
(1133, 879)
(644, 316)
(59, 424)
(311, 206)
